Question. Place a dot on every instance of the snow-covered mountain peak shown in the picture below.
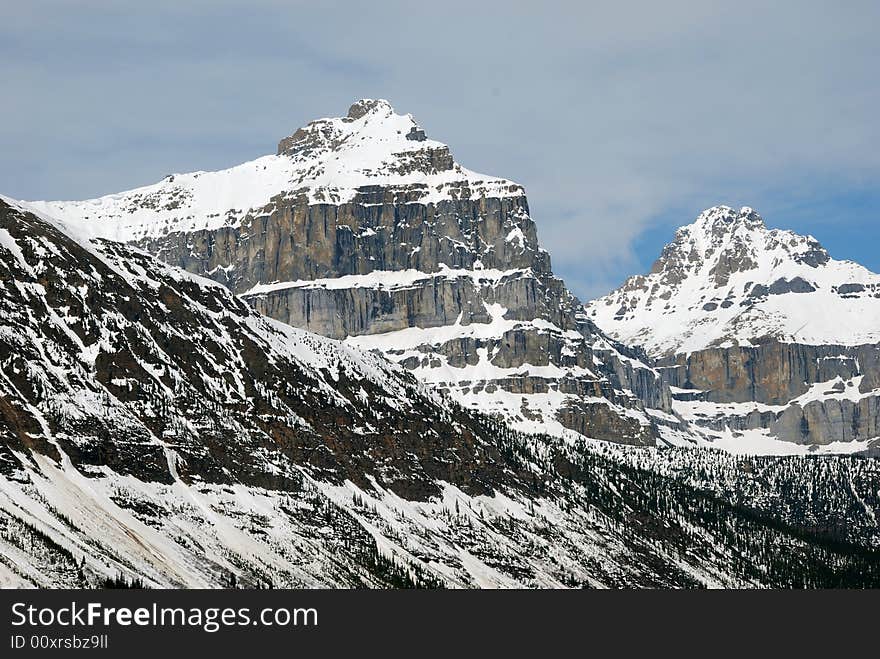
(367, 105)
(723, 219)
(371, 132)
(733, 239)
(328, 161)
(727, 278)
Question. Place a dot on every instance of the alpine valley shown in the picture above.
(349, 364)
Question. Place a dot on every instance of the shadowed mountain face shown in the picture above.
(154, 427)
(361, 228)
(761, 334)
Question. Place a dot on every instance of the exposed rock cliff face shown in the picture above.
(758, 330)
(806, 394)
(370, 232)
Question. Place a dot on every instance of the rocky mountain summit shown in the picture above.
(156, 430)
(361, 228)
(761, 334)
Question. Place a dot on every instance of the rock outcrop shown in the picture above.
(815, 395)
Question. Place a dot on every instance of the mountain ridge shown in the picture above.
(729, 265)
(386, 242)
(760, 333)
(327, 160)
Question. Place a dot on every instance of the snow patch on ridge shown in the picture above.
(390, 279)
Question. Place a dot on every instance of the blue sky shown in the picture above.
(623, 120)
